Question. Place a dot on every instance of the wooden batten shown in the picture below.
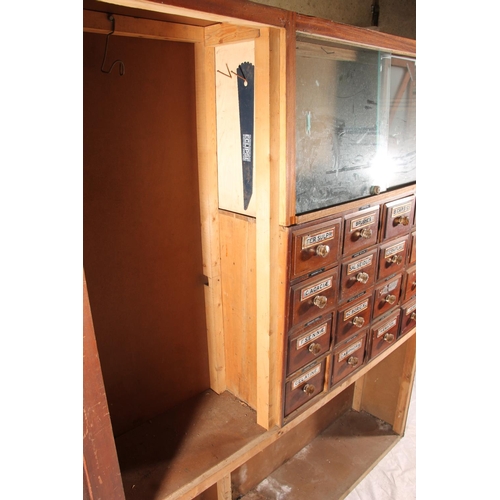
(98, 22)
(228, 33)
(207, 174)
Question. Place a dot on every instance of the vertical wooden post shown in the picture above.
(207, 173)
(101, 472)
(224, 488)
(270, 240)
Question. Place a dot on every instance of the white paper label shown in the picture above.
(350, 350)
(313, 239)
(356, 309)
(305, 377)
(316, 288)
(310, 336)
(359, 264)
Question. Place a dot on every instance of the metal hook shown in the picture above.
(122, 64)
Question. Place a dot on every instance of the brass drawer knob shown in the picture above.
(395, 259)
(390, 299)
(362, 277)
(308, 389)
(414, 285)
(389, 337)
(320, 301)
(365, 233)
(413, 316)
(358, 321)
(322, 250)
(353, 361)
(315, 348)
(402, 219)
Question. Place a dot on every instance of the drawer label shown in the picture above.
(359, 264)
(386, 327)
(390, 287)
(305, 377)
(350, 350)
(367, 220)
(309, 337)
(401, 209)
(316, 288)
(395, 249)
(355, 310)
(411, 309)
(313, 239)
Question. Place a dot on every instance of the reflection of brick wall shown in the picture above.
(395, 17)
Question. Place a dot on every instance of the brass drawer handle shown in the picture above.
(364, 233)
(413, 315)
(402, 219)
(320, 301)
(353, 361)
(395, 259)
(389, 337)
(358, 321)
(414, 285)
(308, 389)
(322, 250)
(390, 299)
(315, 348)
(362, 277)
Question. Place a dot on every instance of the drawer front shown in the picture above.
(392, 257)
(308, 344)
(358, 275)
(398, 217)
(348, 357)
(314, 247)
(410, 284)
(413, 248)
(384, 333)
(408, 317)
(314, 297)
(387, 296)
(353, 317)
(304, 386)
(360, 230)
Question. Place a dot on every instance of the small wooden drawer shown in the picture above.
(358, 274)
(315, 246)
(384, 333)
(413, 248)
(360, 230)
(353, 317)
(409, 284)
(308, 344)
(387, 295)
(304, 385)
(408, 317)
(392, 257)
(348, 357)
(398, 217)
(314, 297)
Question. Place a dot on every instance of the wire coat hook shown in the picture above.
(122, 64)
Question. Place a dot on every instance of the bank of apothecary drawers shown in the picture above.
(352, 294)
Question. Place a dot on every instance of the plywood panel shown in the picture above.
(142, 242)
(239, 304)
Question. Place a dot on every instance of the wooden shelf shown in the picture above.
(333, 463)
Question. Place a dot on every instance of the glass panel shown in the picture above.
(353, 134)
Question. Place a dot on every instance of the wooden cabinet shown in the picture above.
(227, 324)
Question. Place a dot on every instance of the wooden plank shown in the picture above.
(102, 477)
(210, 240)
(358, 394)
(239, 304)
(215, 10)
(228, 33)
(98, 22)
(362, 37)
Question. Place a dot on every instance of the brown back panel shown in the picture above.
(142, 241)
